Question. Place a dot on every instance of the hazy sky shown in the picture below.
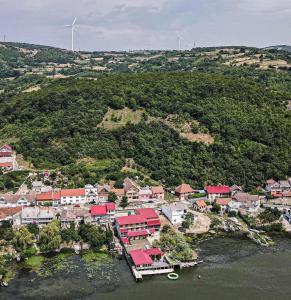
(147, 24)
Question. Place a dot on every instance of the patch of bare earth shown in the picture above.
(183, 127)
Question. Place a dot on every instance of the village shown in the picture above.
(141, 217)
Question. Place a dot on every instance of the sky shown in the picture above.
(146, 24)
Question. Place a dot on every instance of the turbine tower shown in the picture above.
(179, 38)
(72, 28)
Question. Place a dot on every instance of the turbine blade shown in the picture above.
(74, 21)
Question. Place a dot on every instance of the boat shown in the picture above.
(173, 276)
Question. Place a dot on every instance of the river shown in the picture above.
(233, 268)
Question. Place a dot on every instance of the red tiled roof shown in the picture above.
(139, 257)
(223, 201)
(218, 189)
(153, 222)
(153, 251)
(6, 165)
(123, 230)
(137, 233)
(184, 189)
(200, 203)
(118, 192)
(124, 240)
(48, 196)
(9, 211)
(110, 206)
(147, 213)
(129, 220)
(98, 210)
(72, 192)
(152, 230)
(157, 189)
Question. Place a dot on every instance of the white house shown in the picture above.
(73, 196)
(174, 212)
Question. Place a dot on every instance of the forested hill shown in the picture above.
(67, 121)
(18, 59)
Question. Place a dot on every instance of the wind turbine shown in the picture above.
(73, 28)
(179, 38)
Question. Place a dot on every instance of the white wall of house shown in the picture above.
(175, 216)
(73, 200)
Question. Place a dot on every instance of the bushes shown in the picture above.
(270, 215)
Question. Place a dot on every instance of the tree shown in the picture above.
(216, 208)
(94, 235)
(70, 234)
(33, 228)
(50, 237)
(112, 197)
(6, 231)
(23, 241)
(124, 202)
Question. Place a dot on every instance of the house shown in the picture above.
(6, 151)
(37, 215)
(102, 214)
(145, 194)
(273, 186)
(200, 205)
(223, 203)
(158, 193)
(91, 193)
(131, 190)
(6, 166)
(285, 185)
(37, 186)
(75, 215)
(144, 259)
(151, 217)
(73, 196)
(15, 200)
(139, 226)
(174, 212)
(183, 191)
(247, 202)
(103, 192)
(52, 198)
(235, 188)
(131, 227)
(11, 214)
(217, 191)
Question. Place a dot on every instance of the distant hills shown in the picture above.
(279, 47)
(17, 59)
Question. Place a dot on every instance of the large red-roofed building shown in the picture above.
(103, 214)
(218, 191)
(144, 223)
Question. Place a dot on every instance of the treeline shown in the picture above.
(58, 125)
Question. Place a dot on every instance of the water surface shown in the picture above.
(233, 269)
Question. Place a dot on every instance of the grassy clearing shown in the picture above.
(114, 119)
(35, 262)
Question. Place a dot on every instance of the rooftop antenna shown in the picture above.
(73, 29)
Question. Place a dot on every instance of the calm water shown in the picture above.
(233, 269)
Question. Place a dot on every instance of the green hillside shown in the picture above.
(58, 126)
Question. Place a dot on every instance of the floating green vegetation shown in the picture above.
(35, 262)
(92, 256)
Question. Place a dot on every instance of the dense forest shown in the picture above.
(57, 125)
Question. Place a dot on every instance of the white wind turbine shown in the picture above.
(179, 38)
(72, 28)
